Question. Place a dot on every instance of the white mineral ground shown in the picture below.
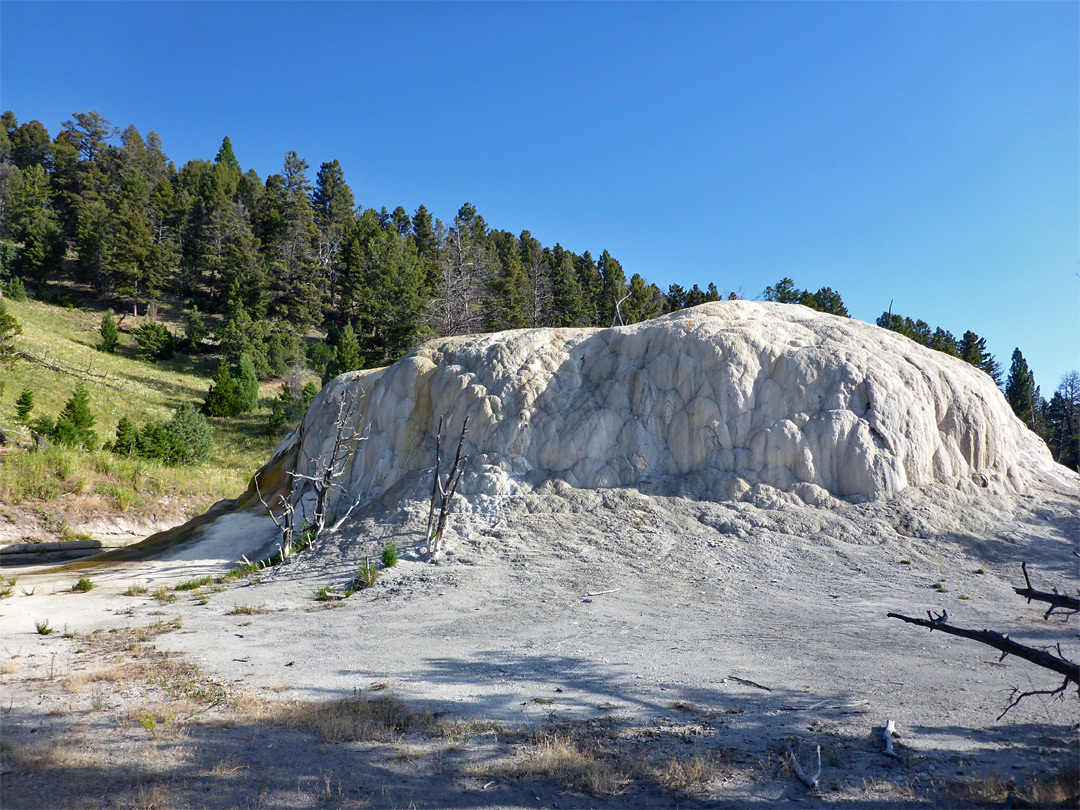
(754, 485)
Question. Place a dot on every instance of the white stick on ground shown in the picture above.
(810, 781)
(890, 729)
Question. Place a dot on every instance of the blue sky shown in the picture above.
(920, 153)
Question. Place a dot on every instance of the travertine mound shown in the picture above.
(728, 401)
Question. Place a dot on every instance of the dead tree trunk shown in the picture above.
(442, 491)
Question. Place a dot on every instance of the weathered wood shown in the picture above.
(1055, 599)
(810, 781)
(999, 641)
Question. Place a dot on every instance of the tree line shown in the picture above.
(275, 259)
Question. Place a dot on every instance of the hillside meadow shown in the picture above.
(61, 488)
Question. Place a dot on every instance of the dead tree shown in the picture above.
(1044, 658)
(442, 490)
(323, 481)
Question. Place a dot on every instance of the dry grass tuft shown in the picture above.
(1059, 788)
(357, 718)
(684, 776)
(586, 767)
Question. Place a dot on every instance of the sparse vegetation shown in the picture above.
(136, 590)
(43, 627)
(82, 586)
(194, 584)
(389, 554)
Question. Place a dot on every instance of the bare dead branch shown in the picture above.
(1000, 641)
(810, 781)
(1056, 600)
(1017, 695)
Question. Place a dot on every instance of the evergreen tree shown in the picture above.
(277, 421)
(1063, 422)
(333, 205)
(824, 300)
(110, 334)
(191, 440)
(15, 289)
(223, 398)
(196, 330)
(538, 293)
(24, 404)
(127, 437)
(247, 384)
(784, 292)
(75, 424)
(1020, 389)
(613, 290)
(972, 349)
(568, 303)
(347, 354)
(155, 341)
(9, 330)
(308, 394)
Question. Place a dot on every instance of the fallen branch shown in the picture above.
(602, 593)
(810, 781)
(41, 361)
(745, 682)
(890, 729)
(1055, 599)
(1000, 641)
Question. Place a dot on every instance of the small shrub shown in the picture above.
(136, 590)
(82, 586)
(43, 627)
(326, 593)
(163, 595)
(389, 554)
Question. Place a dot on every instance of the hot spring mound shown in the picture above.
(728, 401)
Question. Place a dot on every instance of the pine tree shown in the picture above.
(248, 384)
(1020, 389)
(127, 437)
(24, 404)
(110, 334)
(613, 290)
(1063, 422)
(191, 440)
(784, 292)
(223, 398)
(9, 330)
(196, 330)
(275, 424)
(75, 424)
(347, 354)
(568, 305)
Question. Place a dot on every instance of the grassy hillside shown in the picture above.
(66, 486)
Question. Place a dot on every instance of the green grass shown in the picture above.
(140, 390)
(82, 586)
(43, 627)
(194, 584)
